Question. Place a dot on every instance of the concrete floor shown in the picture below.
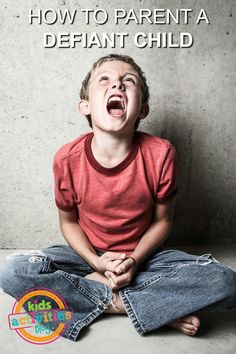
(115, 334)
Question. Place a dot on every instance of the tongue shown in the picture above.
(116, 111)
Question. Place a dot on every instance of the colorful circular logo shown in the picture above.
(40, 316)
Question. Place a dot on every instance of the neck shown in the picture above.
(110, 149)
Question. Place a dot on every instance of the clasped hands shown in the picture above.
(118, 268)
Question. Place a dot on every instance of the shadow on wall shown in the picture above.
(205, 204)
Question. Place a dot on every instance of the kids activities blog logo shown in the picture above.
(40, 316)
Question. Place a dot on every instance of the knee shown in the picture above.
(9, 275)
(227, 283)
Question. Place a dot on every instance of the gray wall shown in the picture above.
(192, 104)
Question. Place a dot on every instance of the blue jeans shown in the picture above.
(167, 285)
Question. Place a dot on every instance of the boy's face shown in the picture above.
(115, 97)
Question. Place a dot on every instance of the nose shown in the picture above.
(118, 85)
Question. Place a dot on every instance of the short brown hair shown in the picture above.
(112, 57)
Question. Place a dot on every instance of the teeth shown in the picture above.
(115, 98)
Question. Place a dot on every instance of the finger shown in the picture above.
(122, 280)
(120, 270)
(115, 255)
(112, 283)
(124, 266)
(107, 274)
(114, 286)
(118, 281)
(111, 276)
(112, 265)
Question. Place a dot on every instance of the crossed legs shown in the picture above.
(188, 325)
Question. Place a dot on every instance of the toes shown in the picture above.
(191, 333)
(188, 326)
(188, 332)
(196, 322)
(192, 320)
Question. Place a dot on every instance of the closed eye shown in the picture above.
(103, 78)
(129, 80)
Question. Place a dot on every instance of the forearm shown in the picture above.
(78, 241)
(153, 238)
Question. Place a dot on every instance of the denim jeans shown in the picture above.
(167, 285)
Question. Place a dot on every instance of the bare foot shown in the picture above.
(118, 306)
(189, 325)
(98, 277)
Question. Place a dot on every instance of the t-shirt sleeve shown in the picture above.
(167, 188)
(63, 186)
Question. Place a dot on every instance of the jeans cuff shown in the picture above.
(131, 312)
(74, 329)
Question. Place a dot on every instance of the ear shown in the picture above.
(144, 111)
(84, 107)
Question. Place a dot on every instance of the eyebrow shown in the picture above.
(110, 72)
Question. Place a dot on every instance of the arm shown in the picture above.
(157, 233)
(75, 236)
(78, 241)
(163, 210)
(153, 238)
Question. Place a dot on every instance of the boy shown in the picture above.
(115, 192)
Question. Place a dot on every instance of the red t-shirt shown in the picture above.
(115, 205)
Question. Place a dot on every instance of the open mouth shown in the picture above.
(116, 106)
